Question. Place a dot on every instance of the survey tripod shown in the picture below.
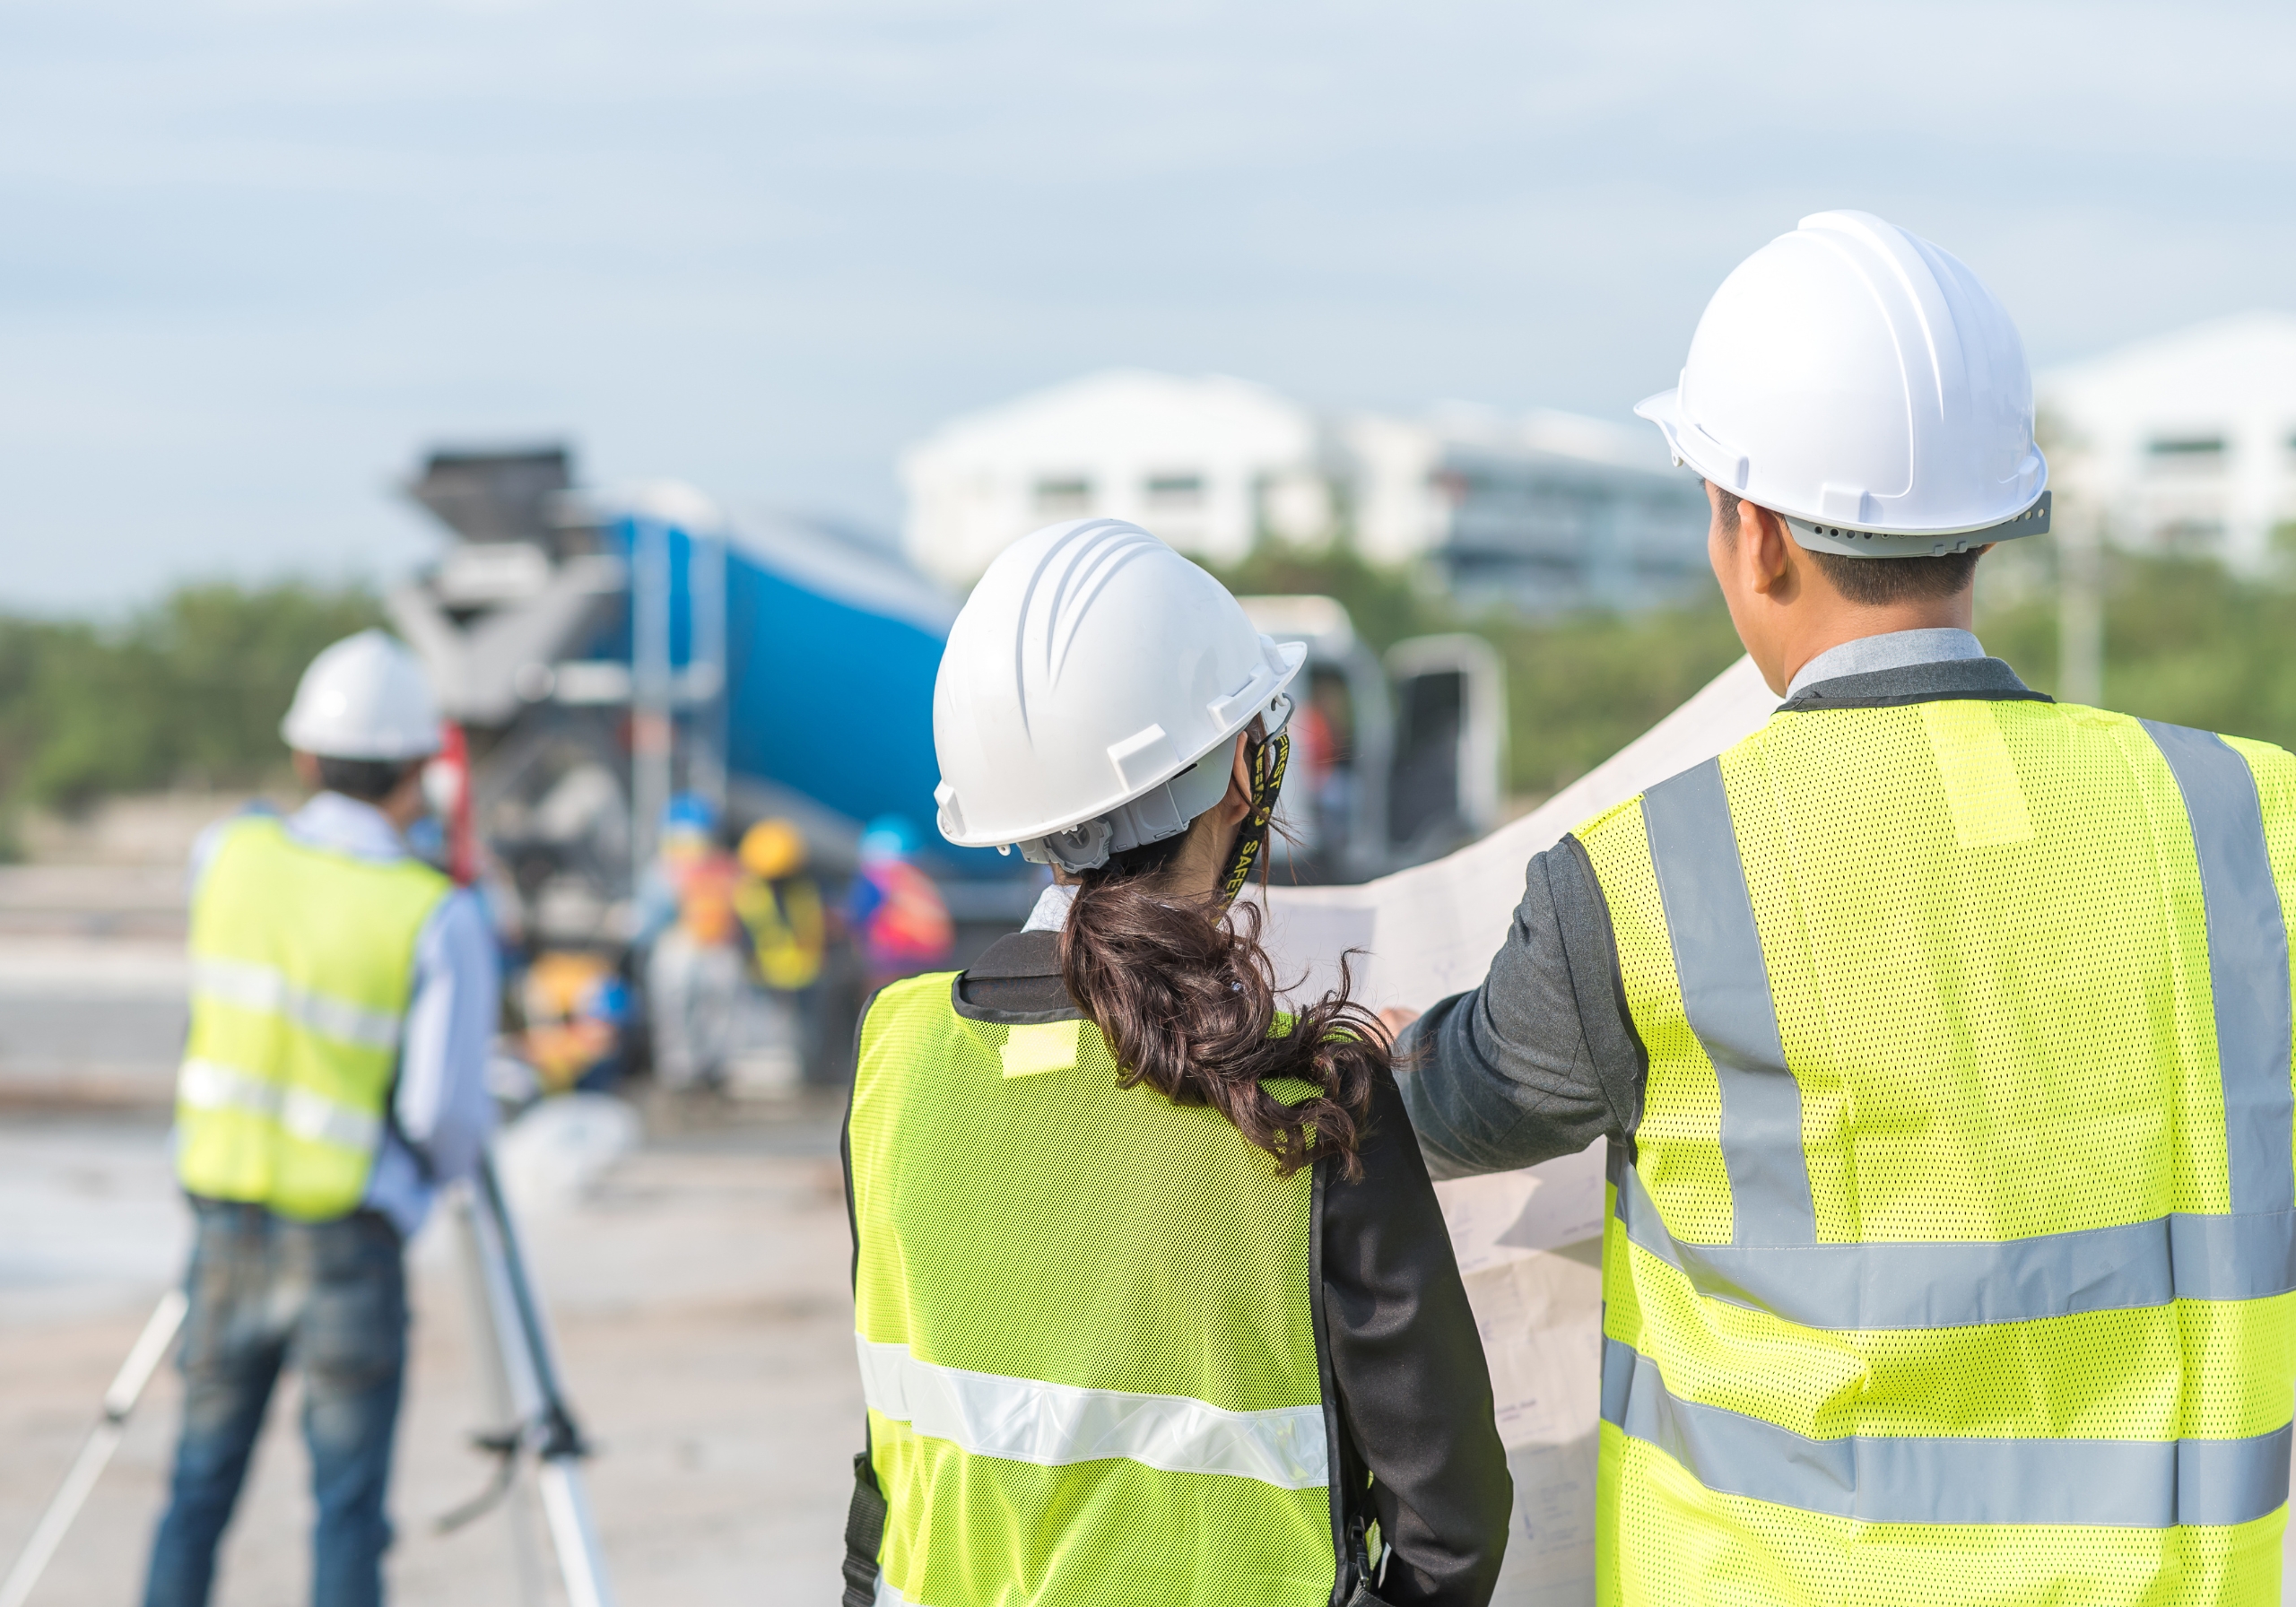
(528, 1414)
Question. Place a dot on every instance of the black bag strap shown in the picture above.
(864, 1534)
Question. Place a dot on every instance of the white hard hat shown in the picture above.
(1089, 671)
(364, 698)
(1862, 383)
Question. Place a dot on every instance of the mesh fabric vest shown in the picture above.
(302, 966)
(1085, 1327)
(1950, 1262)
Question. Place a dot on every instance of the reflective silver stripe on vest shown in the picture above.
(2124, 1483)
(2247, 963)
(1885, 1283)
(1726, 994)
(259, 987)
(210, 1085)
(889, 1596)
(1053, 1425)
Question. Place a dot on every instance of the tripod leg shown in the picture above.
(579, 1559)
(507, 1392)
(96, 1452)
(525, 1335)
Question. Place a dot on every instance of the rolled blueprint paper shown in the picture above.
(1527, 1241)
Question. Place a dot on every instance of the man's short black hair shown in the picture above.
(368, 780)
(1876, 581)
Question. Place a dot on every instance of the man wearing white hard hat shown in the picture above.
(342, 996)
(1940, 1033)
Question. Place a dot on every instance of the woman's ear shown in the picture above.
(1238, 803)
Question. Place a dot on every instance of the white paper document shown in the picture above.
(1525, 1240)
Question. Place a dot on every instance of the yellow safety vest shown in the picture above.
(303, 967)
(787, 928)
(1951, 1260)
(1085, 1323)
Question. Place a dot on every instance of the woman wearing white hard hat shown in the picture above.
(1153, 1300)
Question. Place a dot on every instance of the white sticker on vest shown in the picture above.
(1980, 777)
(1044, 1046)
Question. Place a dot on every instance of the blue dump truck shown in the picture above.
(605, 652)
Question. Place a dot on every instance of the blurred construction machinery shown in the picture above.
(1395, 761)
(602, 653)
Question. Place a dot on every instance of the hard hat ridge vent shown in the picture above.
(1105, 549)
(1051, 622)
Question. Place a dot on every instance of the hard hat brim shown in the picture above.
(1703, 458)
(1850, 542)
(371, 753)
(1715, 463)
(1662, 408)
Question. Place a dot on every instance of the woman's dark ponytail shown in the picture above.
(1187, 996)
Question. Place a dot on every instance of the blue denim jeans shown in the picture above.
(330, 1299)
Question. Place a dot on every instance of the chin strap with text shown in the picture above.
(1268, 760)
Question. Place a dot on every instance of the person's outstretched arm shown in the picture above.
(1413, 1390)
(443, 1109)
(1540, 1061)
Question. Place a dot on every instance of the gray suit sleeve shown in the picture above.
(1543, 1059)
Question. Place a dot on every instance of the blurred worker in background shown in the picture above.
(780, 905)
(1300, 812)
(1154, 1297)
(1941, 1033)
(576, 1009)
(693, 973)
(343, 998)
(1333, 799)
(896, 913)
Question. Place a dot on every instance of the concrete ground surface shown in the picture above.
(700, 1296)
(698, 1290)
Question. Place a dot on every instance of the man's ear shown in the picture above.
(1765, 548)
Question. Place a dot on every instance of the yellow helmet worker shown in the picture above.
(772, 849)
(1940, 1032)
(344, 994)
(781, 906)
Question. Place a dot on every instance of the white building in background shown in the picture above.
(1547, 510)
(2184, 443)
(1205, 462)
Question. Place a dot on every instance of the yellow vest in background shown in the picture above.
(788, 927)
(302, 967)
(1951, 1261)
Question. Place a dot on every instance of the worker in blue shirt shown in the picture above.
(344, 996)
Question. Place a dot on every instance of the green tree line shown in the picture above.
(187, 692)
(2185, 641)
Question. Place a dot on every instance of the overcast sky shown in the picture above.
(257, 255)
